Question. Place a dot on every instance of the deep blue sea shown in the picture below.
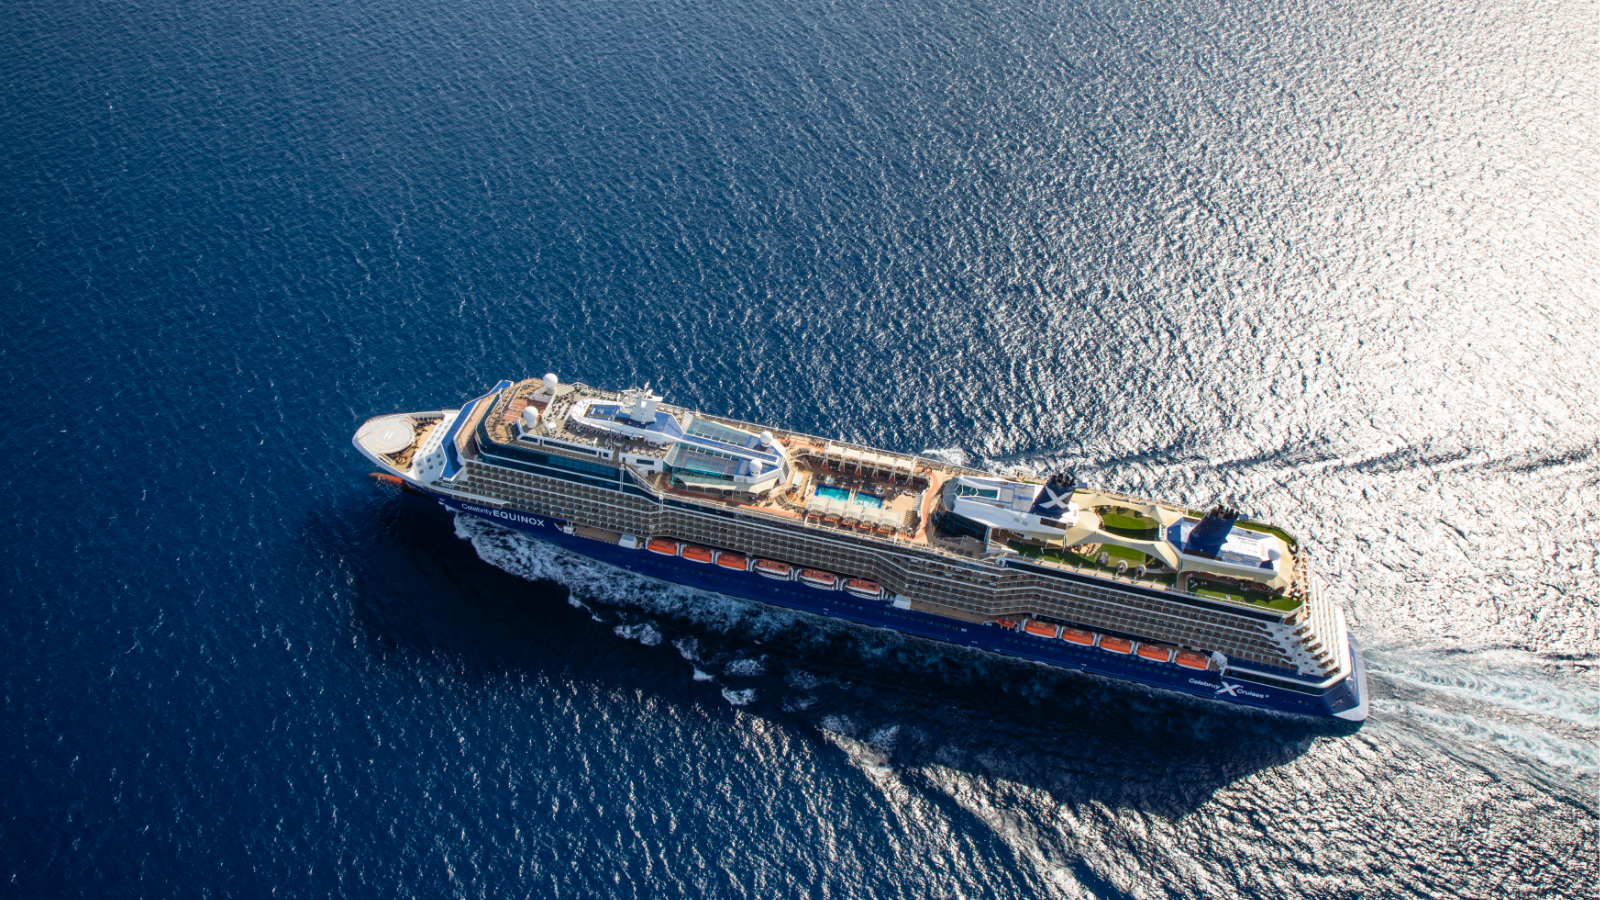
(1335, 263)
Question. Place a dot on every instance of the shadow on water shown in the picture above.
(421, 592)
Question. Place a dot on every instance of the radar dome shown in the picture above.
(550, 383)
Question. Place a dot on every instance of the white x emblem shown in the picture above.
(1056, 500)
(1227, 690)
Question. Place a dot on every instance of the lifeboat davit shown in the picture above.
(771, 568)
(732, 561)
(1034, 626)
(866, 590)
(1007, 624)
(696, 554)
(1192, 660)
(1078, 636)
(1153, 652)
(819, 579)
(1115, 644)
(662, 546)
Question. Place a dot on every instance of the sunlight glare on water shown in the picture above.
(1332, 263)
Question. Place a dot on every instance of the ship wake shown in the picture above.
(1494, 708)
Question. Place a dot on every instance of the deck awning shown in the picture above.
(864, 459)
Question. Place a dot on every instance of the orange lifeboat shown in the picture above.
(1192, 660)
(1078, 636)
(1034, 626)
(771, 568)
(1153, 652)
(696, 554)
(1007, 624)
(1115, 644)
(866, 590)
(819, 579)
(662, 546)
(395, 481)
(732, 561)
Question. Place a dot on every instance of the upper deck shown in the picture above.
(905, 500)
(707, 459)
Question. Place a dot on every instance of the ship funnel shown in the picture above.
(1208, 536)
(550, 383)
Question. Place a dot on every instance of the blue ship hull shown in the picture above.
(1339, 701)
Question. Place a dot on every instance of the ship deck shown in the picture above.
(905, 488)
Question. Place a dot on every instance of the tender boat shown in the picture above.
(733, 561)
(867, 590)
(771, 568)
(1078, 636)
(819, 579)
(662, 546)
(696, 554)
(1192, 660)
(1115, 644)
(1156, 653)
(1034, 626)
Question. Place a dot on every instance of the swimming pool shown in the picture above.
(833, 493)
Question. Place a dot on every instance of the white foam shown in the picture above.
(1484, 681)
(703, 676)
(838, 724)
(802, 679)
(955, 456)
(746, 667)
(586, 578)
(739, 698)
(884, 738)
(1524, 741)
(644, 633)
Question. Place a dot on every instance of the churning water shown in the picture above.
(1333, 263)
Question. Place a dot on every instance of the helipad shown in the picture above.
(390, 434)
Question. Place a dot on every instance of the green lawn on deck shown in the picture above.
(1129, 527)
(1076, 559)
(1134, 557)
(1128, 522)
(1254, 598)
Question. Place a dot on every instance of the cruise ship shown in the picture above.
(1200, 602)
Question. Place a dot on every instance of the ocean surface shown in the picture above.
(1335, 263)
